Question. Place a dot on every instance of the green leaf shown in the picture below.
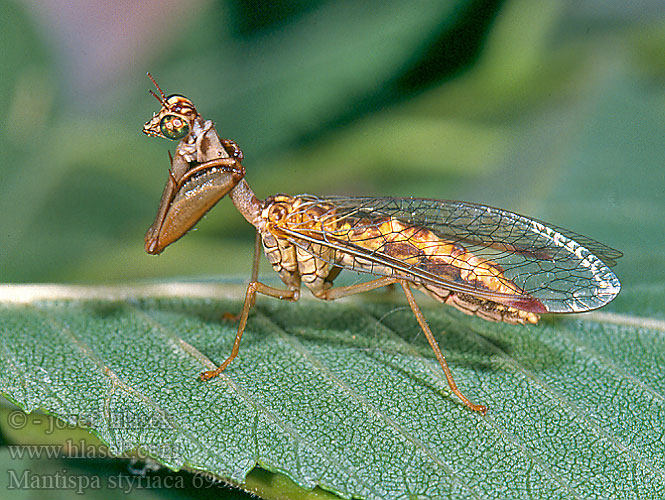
(555, 123)
(347, 396)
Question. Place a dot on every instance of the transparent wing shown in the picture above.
(463, 247)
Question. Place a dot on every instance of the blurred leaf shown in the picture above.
(551, 120)
(378, 151)
(342, 396)
(648, 44)
(23, 96)
(305, 74)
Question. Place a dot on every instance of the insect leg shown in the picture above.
(437, 352)
(255, 277)
(257, 256)
(250, 296)
(336, 293)
(232, 149)
(343, 291)
(334, 272)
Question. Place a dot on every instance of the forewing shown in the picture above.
(563, 271)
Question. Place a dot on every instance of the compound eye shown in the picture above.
(174, 127)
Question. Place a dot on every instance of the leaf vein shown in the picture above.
(577, 411)
(417, 443)
(222, 378)
(510, 437)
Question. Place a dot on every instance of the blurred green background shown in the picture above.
(551, 109)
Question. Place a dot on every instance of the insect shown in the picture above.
(484, 261)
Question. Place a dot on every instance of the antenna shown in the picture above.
(161, 100)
